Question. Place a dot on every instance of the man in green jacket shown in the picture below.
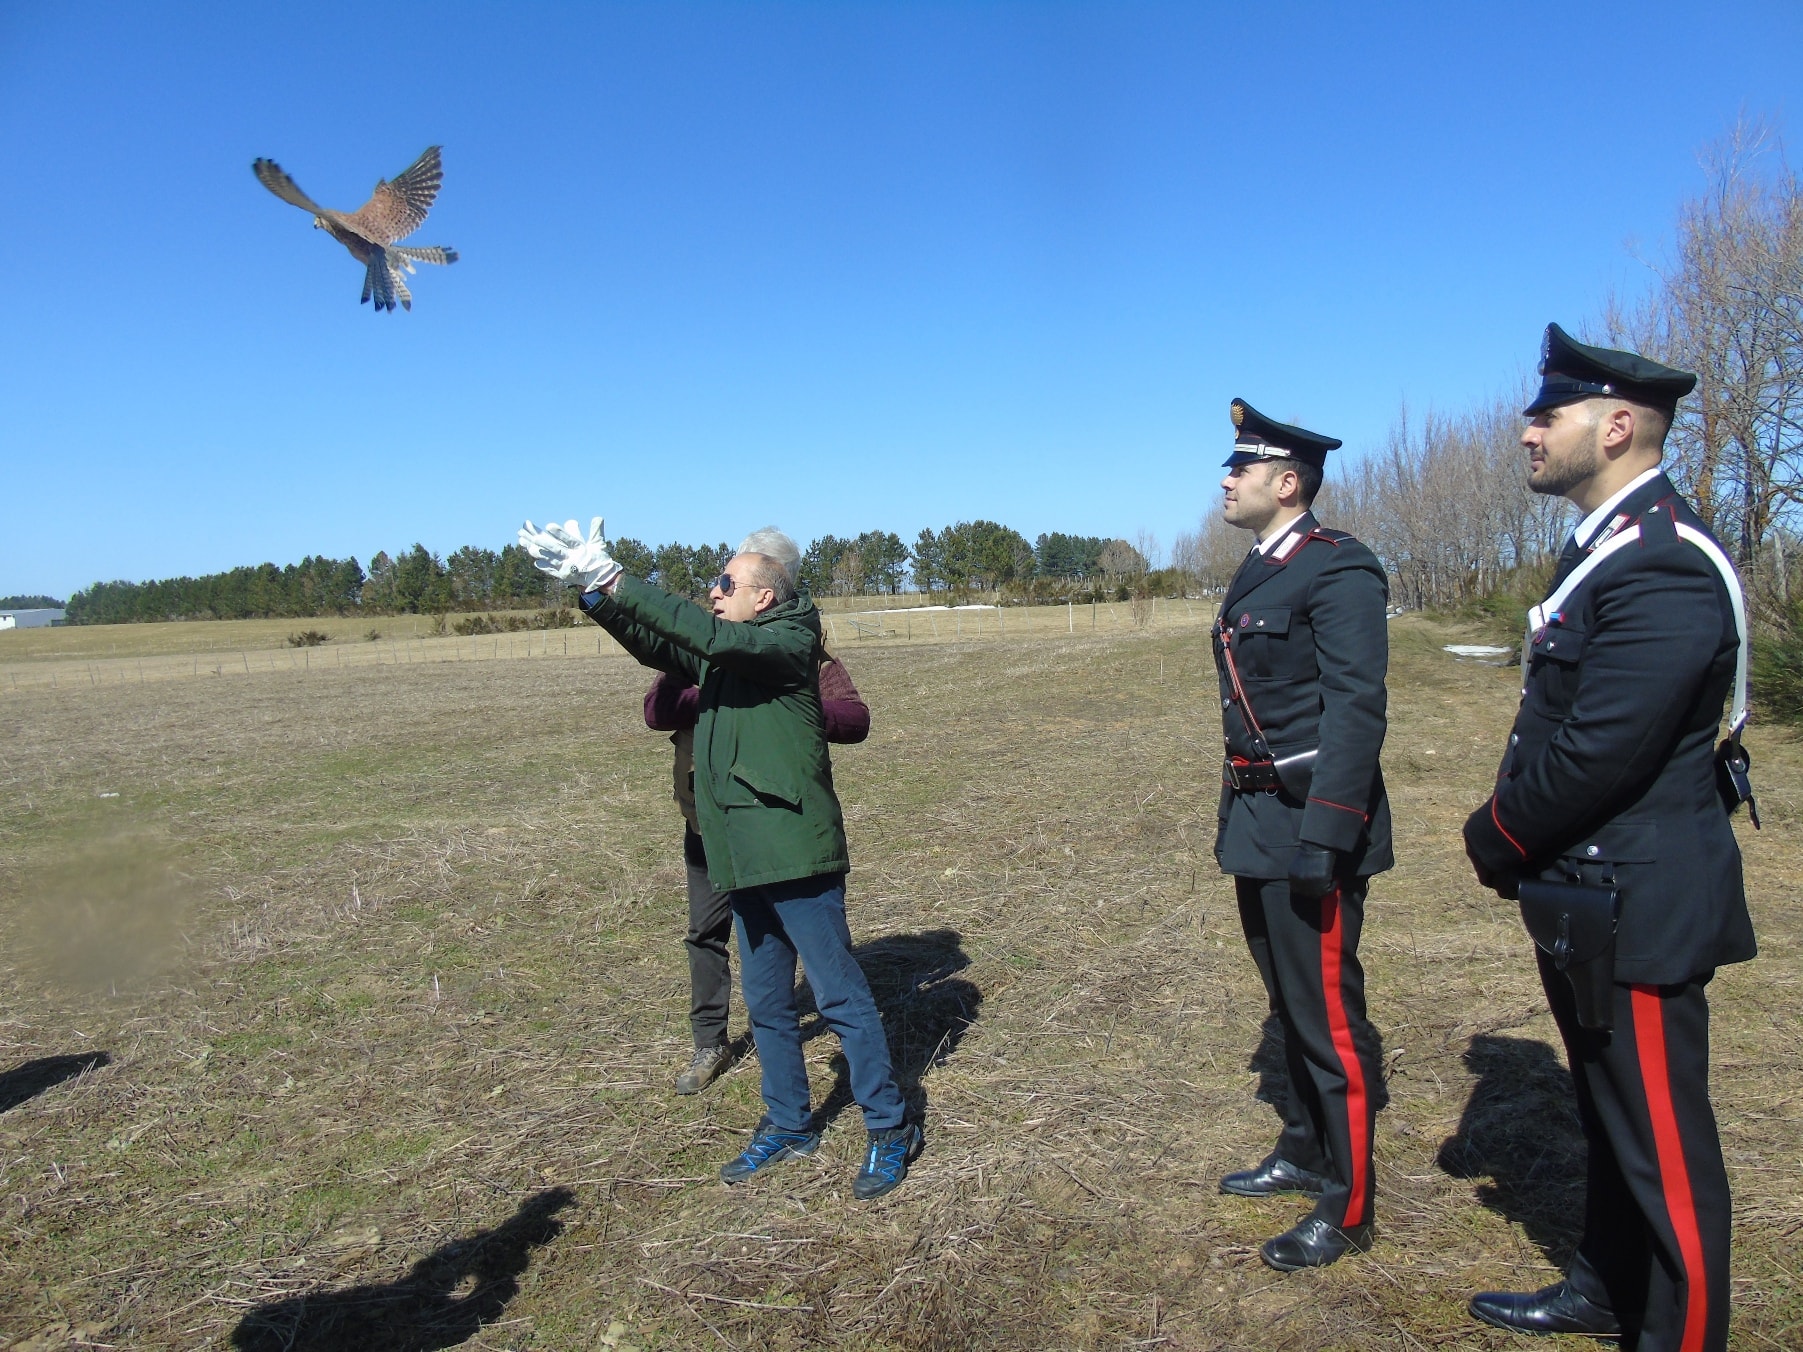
(769, 820)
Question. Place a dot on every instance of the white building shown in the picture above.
(30, 619)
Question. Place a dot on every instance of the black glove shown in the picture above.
(1311, 870)
(1505, 885)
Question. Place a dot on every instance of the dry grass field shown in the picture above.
(133, 654)
(341, 990)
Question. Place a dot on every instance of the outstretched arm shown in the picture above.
(780, 655)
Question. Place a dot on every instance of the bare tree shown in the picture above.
(1447, 507)
(1730, 308)
(1120, 559)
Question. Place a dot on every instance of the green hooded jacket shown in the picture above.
(764, 795)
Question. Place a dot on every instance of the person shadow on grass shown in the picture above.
(1520, 1130)
(445, 1300)
(926, 1008)
(1270, 1060)
(25, 1082)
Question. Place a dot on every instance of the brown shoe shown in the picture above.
(710, 1064)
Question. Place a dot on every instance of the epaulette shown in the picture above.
(1659, 523)
(1292, 545)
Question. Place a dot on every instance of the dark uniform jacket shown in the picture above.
(1610, 770)
(1308, 636)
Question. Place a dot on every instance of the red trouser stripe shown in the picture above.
(1674, 1176)
(1332, 940)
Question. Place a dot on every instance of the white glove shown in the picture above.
(561, 552)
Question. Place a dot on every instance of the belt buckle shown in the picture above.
(1232, 773)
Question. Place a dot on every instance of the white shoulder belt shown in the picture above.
(1540, 614)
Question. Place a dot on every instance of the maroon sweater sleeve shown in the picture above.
(671, 704)
(847, 716)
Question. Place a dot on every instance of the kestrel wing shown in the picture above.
(397, 208)
(270, 175)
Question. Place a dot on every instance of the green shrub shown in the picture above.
(308, 638)
(561, 617)
(1778, 669)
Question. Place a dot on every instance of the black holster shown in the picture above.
(1574, 925)
(1734, 777)
(1296, 772)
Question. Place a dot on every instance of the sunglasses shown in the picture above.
(726, 582)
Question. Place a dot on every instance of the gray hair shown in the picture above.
(770, 543)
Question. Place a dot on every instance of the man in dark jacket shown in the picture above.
(673, 705)
(1301, 649)
(769, 821)
(1609, 780)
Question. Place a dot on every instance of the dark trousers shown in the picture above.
(1656, 1208)
(710, 929)
(1307, 953)
(777, 924)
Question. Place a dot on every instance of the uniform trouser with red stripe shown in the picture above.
(1656, 1208)
(1307, 953)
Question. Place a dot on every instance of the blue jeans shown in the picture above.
(806, 918)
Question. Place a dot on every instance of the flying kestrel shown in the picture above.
(394, 210)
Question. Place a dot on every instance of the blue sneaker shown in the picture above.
(769, 1145)
(886, 1162)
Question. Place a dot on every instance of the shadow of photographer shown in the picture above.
(25, 1082)
(1520, 1130)
(1271, 1060)
(444, 1300)
(926, 1008)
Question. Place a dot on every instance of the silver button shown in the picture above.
(1592, 851)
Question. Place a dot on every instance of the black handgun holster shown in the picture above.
(1574, 924)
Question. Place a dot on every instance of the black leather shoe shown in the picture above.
(1314, 1243)
(1272, 1176)
(1552, 1309)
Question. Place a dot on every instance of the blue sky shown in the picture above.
(836, 266)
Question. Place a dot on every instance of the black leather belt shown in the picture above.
(1250, 776)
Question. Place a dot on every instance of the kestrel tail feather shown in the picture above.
(378, 281)
(436, 253)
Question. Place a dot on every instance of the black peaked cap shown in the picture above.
(1570, 370)
(1260, 438)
